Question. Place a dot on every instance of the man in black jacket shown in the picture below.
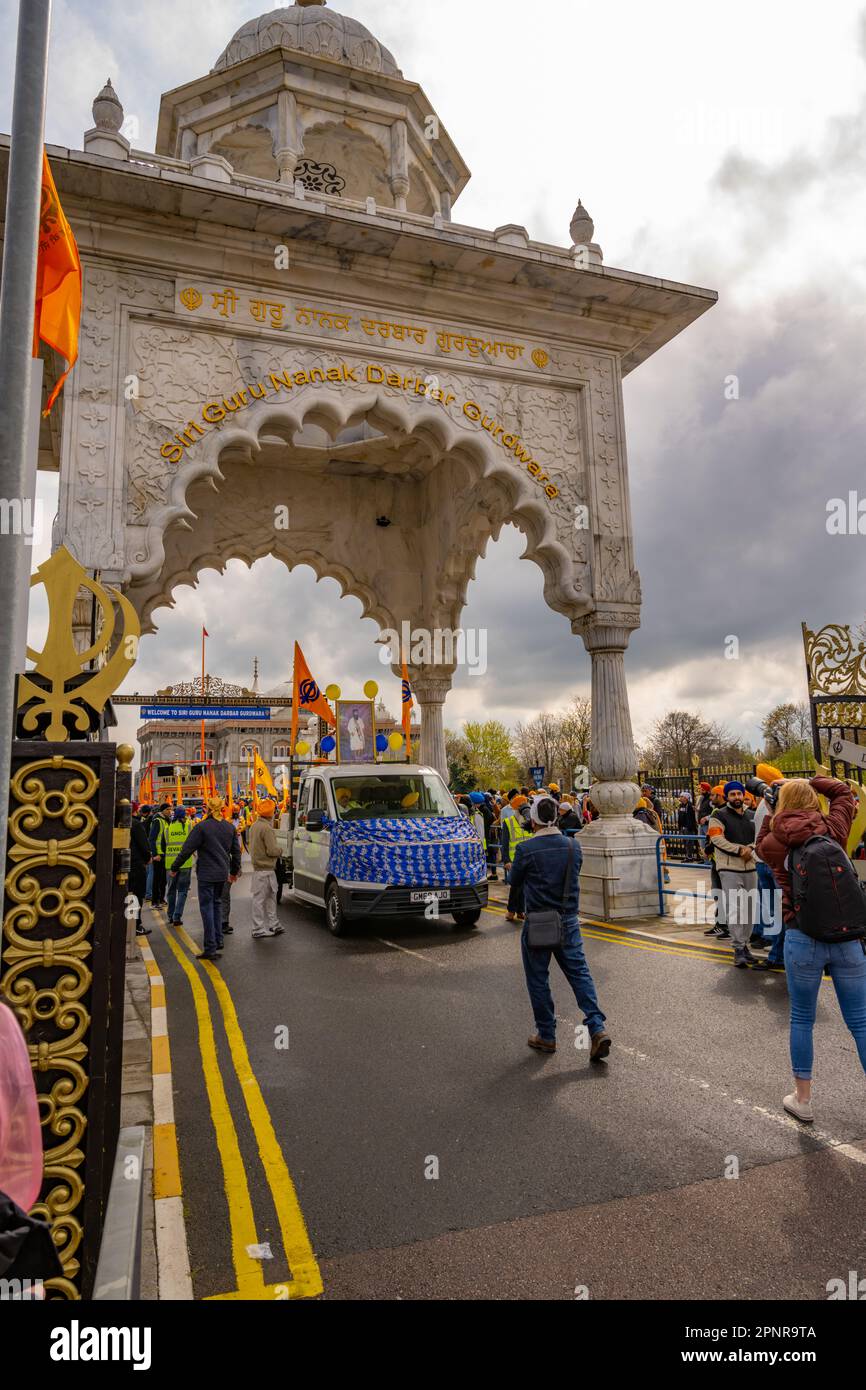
(139, 858)
(156, 833)
(215, 842)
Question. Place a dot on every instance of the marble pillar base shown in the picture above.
(623, 851)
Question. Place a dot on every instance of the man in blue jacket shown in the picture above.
(539, 868)
(215, 842)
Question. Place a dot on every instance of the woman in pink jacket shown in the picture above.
(798, 817)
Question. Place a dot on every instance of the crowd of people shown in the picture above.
(777, 860)
(780, 875)
(164, 840)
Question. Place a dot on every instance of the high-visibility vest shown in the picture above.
(515, 833)
(172, 839)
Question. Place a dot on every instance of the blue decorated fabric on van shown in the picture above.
(429, 851)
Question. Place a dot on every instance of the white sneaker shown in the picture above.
(800, 1109)
(277, 931)
(265, 931)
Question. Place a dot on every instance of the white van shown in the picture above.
(382, 840)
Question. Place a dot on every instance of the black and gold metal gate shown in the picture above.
(64, 928)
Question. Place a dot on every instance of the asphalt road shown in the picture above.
(433, 1155)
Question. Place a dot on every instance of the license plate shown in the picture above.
(440, 895)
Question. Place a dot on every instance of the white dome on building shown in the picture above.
(311, 28)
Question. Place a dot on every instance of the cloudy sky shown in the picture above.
(721, 146)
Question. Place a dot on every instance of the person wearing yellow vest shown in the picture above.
(513, 833)
(171, 839)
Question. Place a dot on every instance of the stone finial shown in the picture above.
(582, 227)
(107, 110)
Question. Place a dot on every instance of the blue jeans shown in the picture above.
(804, 965)
(770, 907)
(210, 906)
(572, 962)
(177, 890)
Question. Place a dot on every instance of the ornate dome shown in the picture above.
(311, 28)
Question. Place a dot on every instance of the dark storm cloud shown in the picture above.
(730, 504)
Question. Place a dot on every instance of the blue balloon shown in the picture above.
(381, 743)
(328, 744)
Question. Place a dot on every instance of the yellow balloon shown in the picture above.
(395, 742)
(302, 749)
(333, 692)
(371, 690)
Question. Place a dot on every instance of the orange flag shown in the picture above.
(230, 797)
(407, 711)
(307, 696)
(58, 282)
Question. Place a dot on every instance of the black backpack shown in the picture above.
(828, 898)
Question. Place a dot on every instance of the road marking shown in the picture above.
(625, 939)
(172, 1251)
(296, 1241)
(161, 1063)
(780, 1117)
(306, 1279)
(248, 1273)
(166, 1162)
(175, 1281)
(407, 952)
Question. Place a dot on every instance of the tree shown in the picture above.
(676, 738)
(787, 726)
(537, 743)
(680, 736)
(460, 777)
(490, 755)
(575, 727)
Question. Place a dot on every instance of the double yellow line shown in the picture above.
(621, 936)
(306, 1281)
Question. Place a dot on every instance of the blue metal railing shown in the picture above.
(663, 865)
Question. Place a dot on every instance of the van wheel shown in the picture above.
(467, 920)
(337, 924)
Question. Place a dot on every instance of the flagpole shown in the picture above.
(203, 638)
(17, 314)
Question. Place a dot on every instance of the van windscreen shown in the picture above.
(393, 797)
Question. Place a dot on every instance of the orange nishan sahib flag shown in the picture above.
(307, 696)
(58, 282)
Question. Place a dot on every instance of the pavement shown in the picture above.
(360, 1118)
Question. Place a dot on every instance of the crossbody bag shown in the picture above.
(544, 929)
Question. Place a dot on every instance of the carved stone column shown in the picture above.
(614, 761)
(430, 691)
(290, 140)
(619, 875)
(399, 164)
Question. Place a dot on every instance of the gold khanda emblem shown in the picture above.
(59, 662)
(191, 298)
(540, 358)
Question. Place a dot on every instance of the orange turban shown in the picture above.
(768, 773)
(267, 809)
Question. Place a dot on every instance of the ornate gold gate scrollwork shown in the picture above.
(47, 980)
(63, 933)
